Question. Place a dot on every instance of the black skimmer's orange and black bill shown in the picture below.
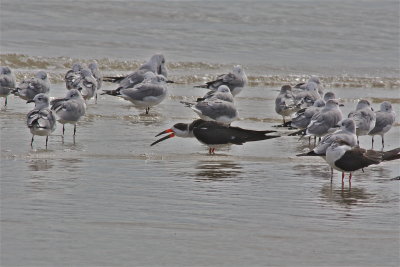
(345, 158)
(214, 134)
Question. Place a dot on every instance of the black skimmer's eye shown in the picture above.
(172, 134)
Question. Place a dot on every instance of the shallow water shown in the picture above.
(109, 199)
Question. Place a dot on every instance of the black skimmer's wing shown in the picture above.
(213, 133)
(358, 158)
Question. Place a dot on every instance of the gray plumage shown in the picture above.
(385, 118)
(285, 103)
(329, 95)
(222, 93)
(308, 95)
(324, 121)
(94, 67)
(347, 132)
(150, 92)
(156, 64)
(73, 76)
(312, 79)
(302, 118)
(69, 109)
(7, 82)
(216, 110)
(87, 84)
(29, 88)
(41, 120)
(235, 80)
(364, 117)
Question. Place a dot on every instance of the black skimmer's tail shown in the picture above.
(214, 134)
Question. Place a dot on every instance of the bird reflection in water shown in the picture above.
(345, 195)
(40, 165)
(210, 170)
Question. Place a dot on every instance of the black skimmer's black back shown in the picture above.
(214, 134)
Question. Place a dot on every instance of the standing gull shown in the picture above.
(312, 79)
(216, 108)
(302, 118)
(364, 118)
(29, 88)
(41, 120)
(87, 85)
(324, 121)
(156, 65)
(285, 103)
(308, 95)
(73, 76)
(94, 67)
(7, 82)
(213, 134)
(150, 92)
(69, 109)
(385, 118)
(346, 132)
(235, 80)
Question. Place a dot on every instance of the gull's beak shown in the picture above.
(169, 81)
(172, 134)
(30, 101)
(341, 105)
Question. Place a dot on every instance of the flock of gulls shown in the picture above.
(311, 112)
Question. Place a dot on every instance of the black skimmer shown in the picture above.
(214, 134)
(235, 80)
(343, 157)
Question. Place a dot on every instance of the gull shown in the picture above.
(215, 108)
(223, 93)
(346, 132)
(364, 118)
(385, 118)
(29, 88)
(87, 85)
(324, 121)
(41, 120)
(213, 134)
(308, 95)
(302, 118)
(235, 80)
(69, 109)
(343, 157)
(312, 79)
(285, 103)
(7, 82)
(150, 92)
(94, 67)
(156, 64)
(73, 76)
